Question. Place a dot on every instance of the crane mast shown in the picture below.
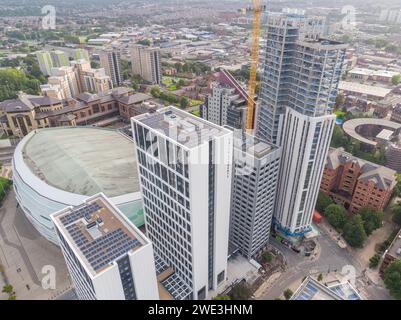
(257, 6)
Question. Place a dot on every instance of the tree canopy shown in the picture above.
(354, 232)
(392, 279)
(336, 216)
(13, 80)
(323, 201)
(372, 219)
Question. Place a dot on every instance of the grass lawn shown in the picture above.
(82, 39)
(195, 102)
(340, 113)
(196, 112)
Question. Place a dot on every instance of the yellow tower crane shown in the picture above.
(257, 7)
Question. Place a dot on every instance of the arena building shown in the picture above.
(55, 168)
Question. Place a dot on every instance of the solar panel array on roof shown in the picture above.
(103, 250)
(176, 287)
(79, 213)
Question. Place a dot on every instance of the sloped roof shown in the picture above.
(382, 176)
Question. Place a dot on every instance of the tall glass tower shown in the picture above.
(300, 80)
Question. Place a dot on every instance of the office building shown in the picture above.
(185, 167)
(227, 104)
(255, 177)
(45, 62)
(357, 183)
(300, 80)
(146, 63)
(59, 58)
(110, 60)
(108, 258)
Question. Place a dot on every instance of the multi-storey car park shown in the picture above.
(58, 167)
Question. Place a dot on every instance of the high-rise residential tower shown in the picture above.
(59, 58)
(227, 104)
(110, 60)
(108, 258)
(255, 178)
(185, 167)
(146, 63)
(299, 87)
(89, 79)
(45, 62)
(81, 54)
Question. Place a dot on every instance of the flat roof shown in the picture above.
(83, 160)
(364, 89)
(252, 145)
(100, 233)
(183, 127)
(395, 247)
(385, 134)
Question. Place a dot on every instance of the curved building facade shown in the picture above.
(59, 167)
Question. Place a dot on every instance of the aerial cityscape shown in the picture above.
(239, 150)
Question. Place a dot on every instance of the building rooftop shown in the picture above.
(311, 289)
(84, 161)
(252, 145)
(350, 127)
(395, 247)
(383, 177)
(99, 233)
(354, 87)
(183, 127)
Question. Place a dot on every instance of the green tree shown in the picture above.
(320, 277)
(339, 139)
(184, 102)
(372, 219)
(336, 216)
(396, 79)
(374, 261)
(354, 232)
(8, 288)
(396, 211)
(392, 279)
(240, 292)
(267, 257)
(155, 92)
(288, 294)
(144, 42)
(323, 201)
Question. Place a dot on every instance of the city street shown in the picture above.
(331, 258)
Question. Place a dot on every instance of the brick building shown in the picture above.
(356, 183)
(20, 116)
(392, 253)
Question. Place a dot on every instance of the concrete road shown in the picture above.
(330, 258)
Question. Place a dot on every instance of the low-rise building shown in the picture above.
(356, 183)
(20, 116)
(392, 253)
